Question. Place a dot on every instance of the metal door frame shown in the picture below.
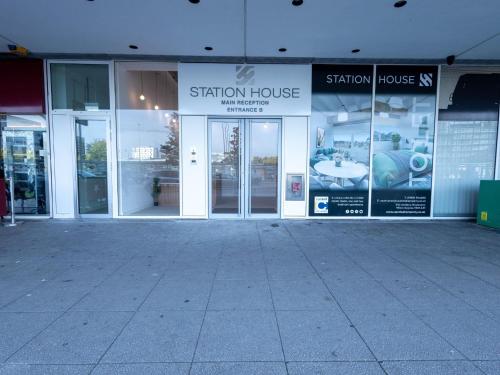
(244, 201)
(109, 182)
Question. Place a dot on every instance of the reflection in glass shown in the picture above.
(23, 151)
(148, 139)
(467, 137)
(92, 166)
(80, 87)
(264, 151)
(225, 163)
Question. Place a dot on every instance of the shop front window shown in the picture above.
(24, 156)
(466, 137)
(80, 87)
(148, 139)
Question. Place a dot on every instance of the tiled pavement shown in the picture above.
(249, 297)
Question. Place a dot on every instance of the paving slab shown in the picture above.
(475, 334)
(423, 294)
(320, 336)
(75, 338)
(430, 367)
(355, 294)
(489, 367)
(116, 295)
(16, 329)
(20, 369)
(153, 336)
(301, 294)
(329, 368)
(240, 368)
(169, 294)
(400, 335)
(49, 297)
(239, 336)
(139, 368)
(240, 295)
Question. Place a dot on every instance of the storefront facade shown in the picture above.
(140, 139)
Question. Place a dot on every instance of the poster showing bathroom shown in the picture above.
(339, 160)
(403, 140)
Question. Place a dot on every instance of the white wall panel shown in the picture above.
(294, 153)
(63, 166)
(194, 175)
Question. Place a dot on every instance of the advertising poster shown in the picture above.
(403, 140)
(339, 160)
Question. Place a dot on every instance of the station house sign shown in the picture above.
(245, 89)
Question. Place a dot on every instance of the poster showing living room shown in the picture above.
(340, 142)
(403, 142)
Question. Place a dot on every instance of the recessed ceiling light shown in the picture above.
(355, 50)
(400, 3)
(297, 2)
(194, 1)
(282, 49)
(208, 48)
(133, 46)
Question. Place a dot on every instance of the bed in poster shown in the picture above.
(403, 140)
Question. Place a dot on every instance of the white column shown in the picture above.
(194, 169)
(294, 154)
(63, 164)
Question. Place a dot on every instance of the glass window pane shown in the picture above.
(80, 87)
(24, 153)
(466, 137)
(225, 165)
(92, 166)
(148, 139)
(264, 171)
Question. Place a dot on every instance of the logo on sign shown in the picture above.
(245, 75)
(320, 205)
(425, 80)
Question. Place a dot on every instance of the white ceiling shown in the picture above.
(330, 29)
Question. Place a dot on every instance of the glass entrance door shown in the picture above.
(225, 165)
(244, 167)
(263, 171)
(92, 155)
(24, 155)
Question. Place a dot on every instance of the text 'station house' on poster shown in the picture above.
(403, 140)
(339, 160)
